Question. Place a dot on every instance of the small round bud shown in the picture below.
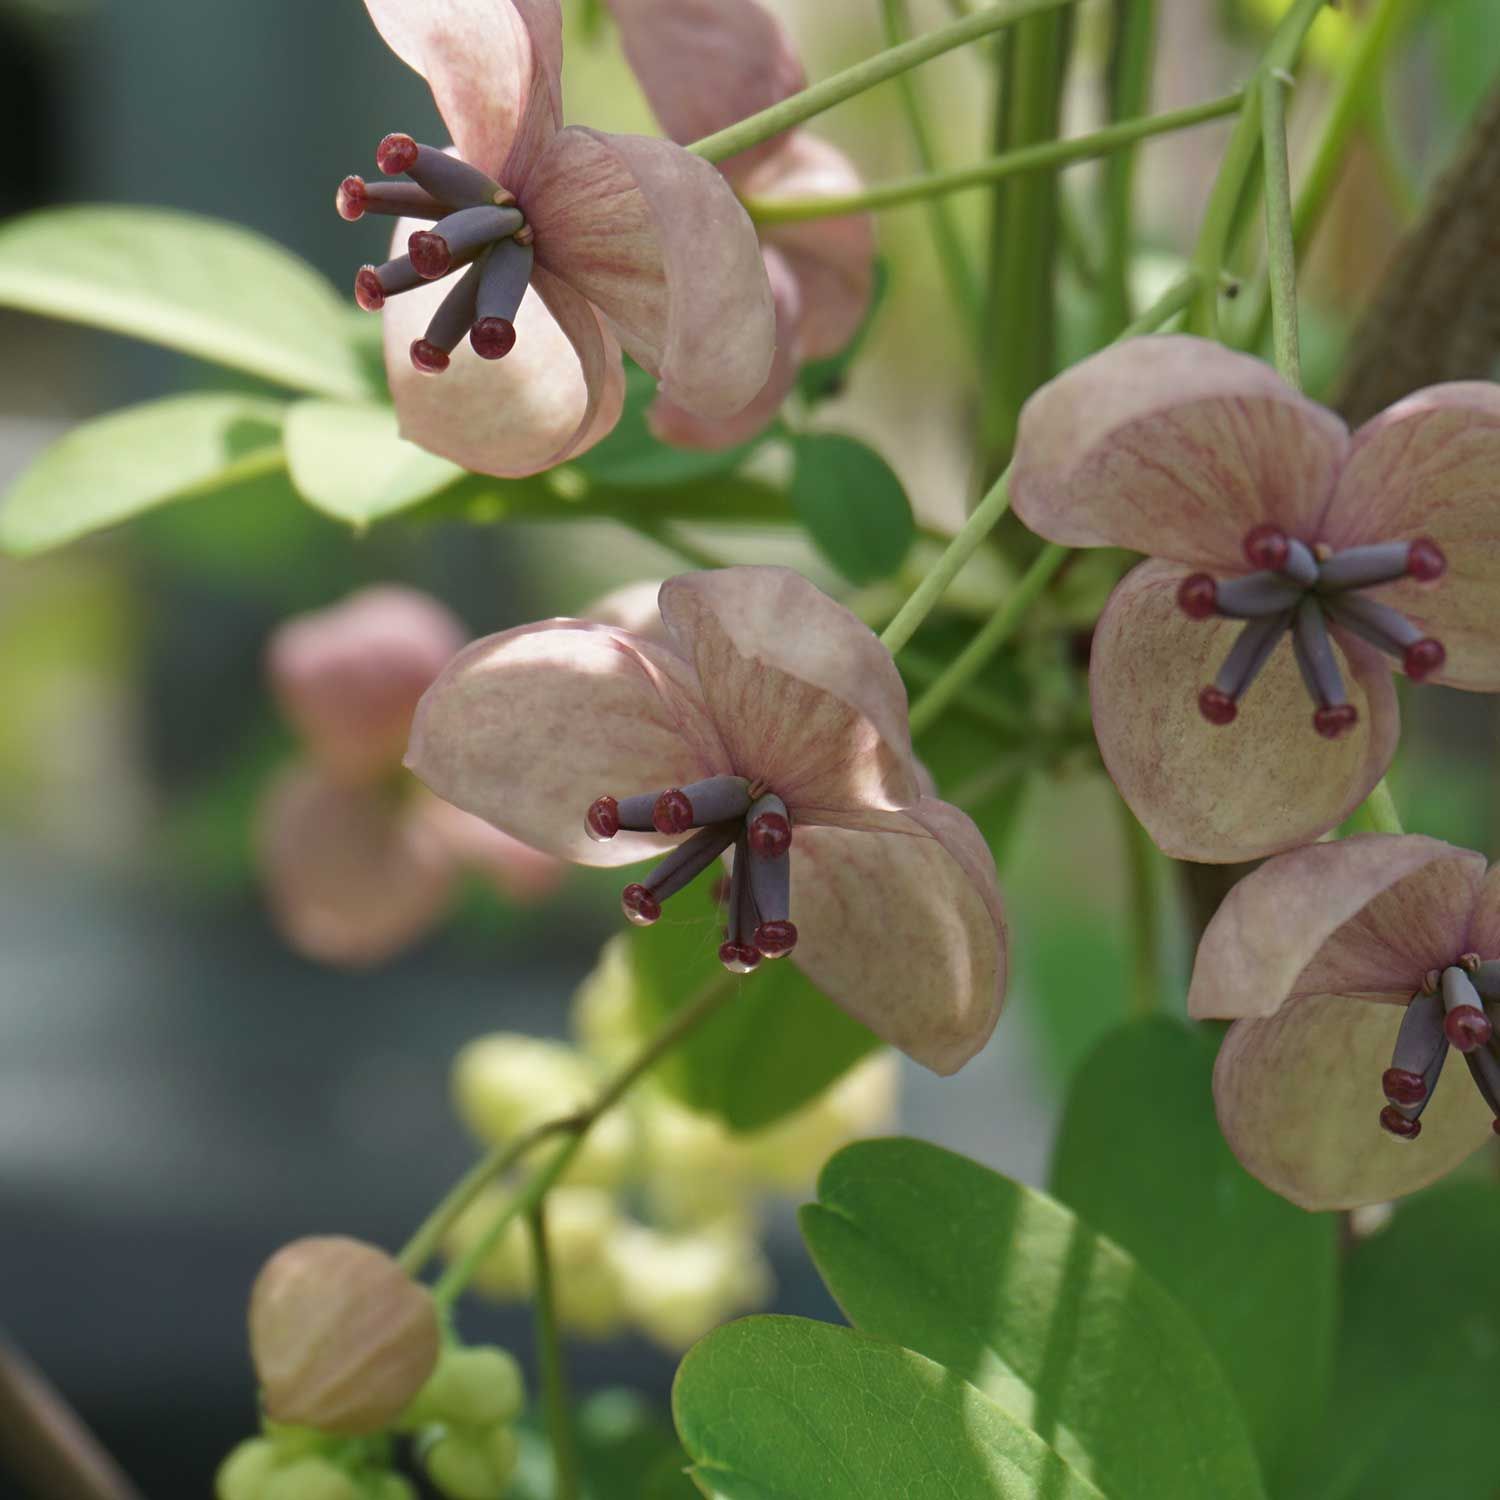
(1266, 546)
(243, 1475)
(477, 1387)
(368, 291)
(492, 338)
(1467, 1028)
(1335, 720)
(350, 198)
(459, 1465)
(1392, 1120)
(1198, 596)
(1425, 561)
(775, 939)
(396, 153)
(428, 358)
(504, 1450)
(770, 835)
(672, 812)
(430, 256)
(639, 905)
(1402, 1086)
(310, 1479)
(739, 958)
(1217, 706)
(602, 821)
(1423, 658)
(341, 1336)
(391, 1487)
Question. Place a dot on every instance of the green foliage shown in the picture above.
(208, 288)
(852, 504)
(1257, 1273)
(1056, 1325)
(626, 1451)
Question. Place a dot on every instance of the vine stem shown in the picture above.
(1036, 158)
(549, 1358)
(822, 96)
(1281, 253)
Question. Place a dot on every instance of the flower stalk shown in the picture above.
(549, 1358)
(1281, 251)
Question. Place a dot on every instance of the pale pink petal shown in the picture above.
(1264, 783)
(706, 64)
(655, 238)
(521, 874)
(832, 259)
(348, 677)
(1172, 446)
(905, 930)
(1430, 466)
(352, 874)
(526, 728)
(1368, 915)
(1484, 928)
(631, 607)
(805, 697)
(495, 70)
(552, 397)
(671, 424)
(1299, 1100)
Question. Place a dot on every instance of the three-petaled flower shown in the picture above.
(626, 241)
(1256, 505)
(774, 725)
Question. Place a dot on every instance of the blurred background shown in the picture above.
(179, 1093)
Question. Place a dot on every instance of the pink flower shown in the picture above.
(626, 241)
(774, 724)
(1349, 970)
(1258, 506)
(356, 864)
(705, 64)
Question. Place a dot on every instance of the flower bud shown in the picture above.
(392, 1487)
(478, 1387)
(310, 1479)
(505, 1273)
(696, 1172)
(472, 1466)
(243, 1475)
(605, 1021)
(341, 1337)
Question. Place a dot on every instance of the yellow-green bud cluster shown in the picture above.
(286, 1466)
(463, 1419)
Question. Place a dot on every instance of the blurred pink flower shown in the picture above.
(1349, 969)
(706, 64)
(1257, 505)
(626, 241)
(357, 863)
(774, 723)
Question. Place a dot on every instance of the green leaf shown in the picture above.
(1140, 1158)
(852, 504)
(348, 460)
(112, 468)
(786, 1409)
(1056, 1325)
(779, 1045)
(820, 379)
(208, 288)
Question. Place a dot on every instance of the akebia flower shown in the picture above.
(704, 65)
(773, 728)
(1353, 971)
(625, 241)
(1240, 679)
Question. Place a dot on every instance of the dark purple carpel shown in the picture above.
(1464, 1022)
(770, 827)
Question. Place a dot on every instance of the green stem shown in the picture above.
(1001, 626)
(549, 1358)
(1281, 254)
(866, 75)
(1147, 981)
(1038, 158)
(1380, 808)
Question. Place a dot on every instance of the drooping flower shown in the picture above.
(775, 726)
(1284, 552)
(626, 241)
(704, 65)
(1350, 970)
(357, 861)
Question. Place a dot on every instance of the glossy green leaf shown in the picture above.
(347, 459)
(1055, 1324)
(852, 504)
(110, 469)
(779, 1045)
(1141, 1159)
(786, 1409)
(204, 286)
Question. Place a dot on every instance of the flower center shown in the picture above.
(475, 225)
(1449, 1010)
(726, 810)
(1300, 590)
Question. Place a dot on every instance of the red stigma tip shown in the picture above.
(368, 291)
(738, 958)
(1467, 1027)
(1266, 546)
(350, 198)
(1335, 720)
(1402, 1086)
(493, 338)
(396, 153)
(1217, 706)
(1425, 560)
(639, 905)
(1392, 1120)
(775, 939)
(602, 821)
(672, 812)
(430, 255)
(1423, 658)
(428, 358)
(770, 837)
(1198, 596)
